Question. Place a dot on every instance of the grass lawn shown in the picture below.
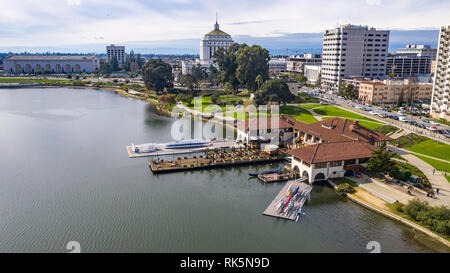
(311, 106)
(298, 113)
(346, 180)
(330, 110)
(386, 129)
(437, 164)
(432, 148)
(368, 124)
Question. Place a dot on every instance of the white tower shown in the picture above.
(211, 42)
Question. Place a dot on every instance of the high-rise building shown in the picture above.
(417, 50)
(118, 52)
(441, 87)
(296, 64)
(211, 42)
(353, 51)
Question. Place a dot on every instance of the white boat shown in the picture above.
(144, 148)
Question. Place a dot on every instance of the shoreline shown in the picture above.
(435, 237)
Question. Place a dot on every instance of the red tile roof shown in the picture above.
(338, 130)
(328, 152)
(264, 123)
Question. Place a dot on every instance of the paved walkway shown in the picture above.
(437, 180)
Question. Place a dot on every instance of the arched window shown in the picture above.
(58, 69)
(77, 68)
(48, 68)
(38, 68)
(67, 68)
(28, 68)
(18, 68)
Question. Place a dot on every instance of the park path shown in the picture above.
(437, 180)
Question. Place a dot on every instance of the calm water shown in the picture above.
(65, 176)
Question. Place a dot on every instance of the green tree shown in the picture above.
(259, 81)
(226, 60)
(114, 64)
(274, 90)
(188, 81)
(199, 72)
(213, 75)
(157, 75)
(382, 162)
(301, 79)
(400, 99)
(252, 62)
(348, 91)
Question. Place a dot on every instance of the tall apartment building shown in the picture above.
(118, 52)
(441, 87)
(353, 51)
(389, 91)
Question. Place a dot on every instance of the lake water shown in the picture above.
(65, 176)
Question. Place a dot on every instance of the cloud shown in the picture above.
(73, 2)
(70, 22)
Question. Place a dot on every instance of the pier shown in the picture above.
(299, 199)
(213, 160)
(276, 177)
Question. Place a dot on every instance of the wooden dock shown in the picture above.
(184, 164)
(299, 200)
(276, 177)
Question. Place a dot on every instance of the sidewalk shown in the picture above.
(437, 180)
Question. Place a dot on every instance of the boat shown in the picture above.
(144, 148)
(267, 172)
(186, 144)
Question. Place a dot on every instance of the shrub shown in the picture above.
(436, 218)
(345, 188)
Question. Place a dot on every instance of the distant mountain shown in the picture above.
(296, 43)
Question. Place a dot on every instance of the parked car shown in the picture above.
(425, 120)
(373, 113)
(435, 123)
(403, 119)
(432, 128)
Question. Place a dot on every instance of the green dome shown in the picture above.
(217, 33)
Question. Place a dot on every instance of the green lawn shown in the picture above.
(386, 129)
(432, 148)
(298, 113)
(330, 110)
(311, 106)
(346, 180)
(437, 164)
(368, 124)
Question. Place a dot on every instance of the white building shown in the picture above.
(211, 42)
(296, 64)
(353, 51)
(260, 129)
(418, 51)
(51, 64)
(441, 86)
(277, 66)
(312, 73)
(116, 51)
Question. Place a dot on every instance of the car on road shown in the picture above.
(373, 113)
(403, 119)
(435, 123)
(432, 128)
(401, 112)
(393, 117)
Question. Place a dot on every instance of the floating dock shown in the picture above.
(299, 201)
(162, 151)
(184, 164)
(276, 177)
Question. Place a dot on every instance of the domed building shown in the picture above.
(211, 42)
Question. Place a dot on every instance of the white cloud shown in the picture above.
(73, 2)
(373, 2)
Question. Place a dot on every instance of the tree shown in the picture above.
(114, 64)
(187, 81)
(226, 60)
(252, 62)
(273, 91)
(199, 73)
(301, 79)
(259, 81)
(213, 75)
(382, 162)
(400, 99)
(157, 75)
(348, 91)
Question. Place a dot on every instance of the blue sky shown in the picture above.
(90, 24)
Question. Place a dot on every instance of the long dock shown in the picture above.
(184, 164)
(162, 151)
(299, 199)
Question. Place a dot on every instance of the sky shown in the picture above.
(88, 25)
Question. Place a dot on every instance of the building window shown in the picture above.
(335, 164)
(321, 165)
(350, 162)
(363, 160)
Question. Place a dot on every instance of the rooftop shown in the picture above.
(329, 152)
(51, 57)
(263, 124)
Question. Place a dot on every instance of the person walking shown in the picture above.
(437, 190)
(434, 171)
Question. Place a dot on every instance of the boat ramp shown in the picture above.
(290, 200)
